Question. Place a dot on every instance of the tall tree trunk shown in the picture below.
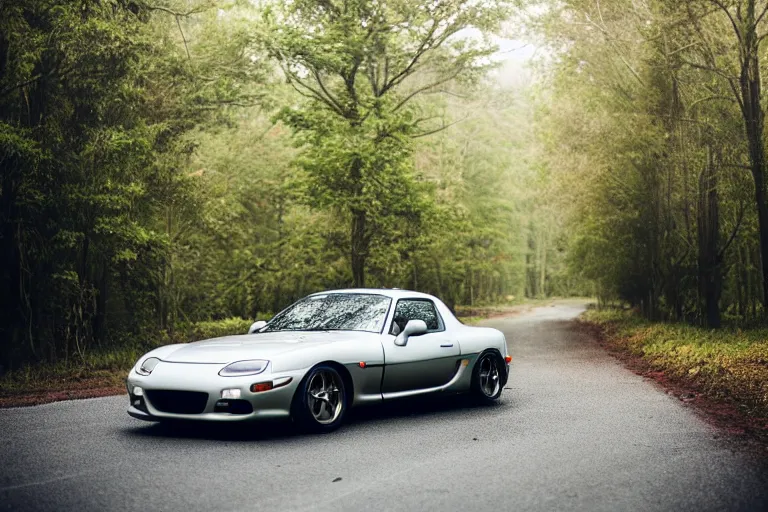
(359, 247)
(11, 276)
(749, 81)
(755, 283)
(740, 284)
(531, 256)
(762, 221)
(359, 239)
(543, 265)
(708, 222)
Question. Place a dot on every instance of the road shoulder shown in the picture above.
(725, 412)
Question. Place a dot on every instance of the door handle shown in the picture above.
(446, 345)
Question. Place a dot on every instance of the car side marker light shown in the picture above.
(508, 359)
(272, 384)
(361, 364)
(464, 362)
(261, 386)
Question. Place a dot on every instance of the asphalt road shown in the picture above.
(574, 431)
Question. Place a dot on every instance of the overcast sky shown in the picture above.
(514, 56)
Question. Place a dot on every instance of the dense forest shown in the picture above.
(176, 161)
(655, 130)
(168, 162)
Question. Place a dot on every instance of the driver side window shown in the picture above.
(415, 309)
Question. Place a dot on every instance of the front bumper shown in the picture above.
(204, 378)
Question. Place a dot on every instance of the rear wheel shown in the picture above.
(486, 378)
(320, 402)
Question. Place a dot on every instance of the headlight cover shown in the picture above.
(147, 366)
(241, 368)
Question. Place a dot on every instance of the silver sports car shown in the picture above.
(324, 354)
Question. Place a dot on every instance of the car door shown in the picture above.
(426, 361)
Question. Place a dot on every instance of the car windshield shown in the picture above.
(333, 312)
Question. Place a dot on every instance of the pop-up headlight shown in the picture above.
(241, 368)
(147, 366)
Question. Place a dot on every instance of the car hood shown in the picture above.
(259, 346)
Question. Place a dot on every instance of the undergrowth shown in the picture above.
(726, 363)
(108, 367)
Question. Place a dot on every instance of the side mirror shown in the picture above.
(256, 326)
(412, 328)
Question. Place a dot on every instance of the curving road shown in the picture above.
(574, 431)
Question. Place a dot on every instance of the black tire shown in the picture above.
(308, 413)
(486, 388)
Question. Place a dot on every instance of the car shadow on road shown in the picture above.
(421, 408)
(415, 409)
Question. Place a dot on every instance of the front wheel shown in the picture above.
(320, 402)
(486, 378)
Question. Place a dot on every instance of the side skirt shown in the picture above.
(459, 382)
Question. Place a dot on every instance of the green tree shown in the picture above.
(94, 99)
(360, 65)
(644, 132)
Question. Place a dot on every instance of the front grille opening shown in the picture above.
(177, 402)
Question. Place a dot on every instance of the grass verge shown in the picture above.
(724, 371)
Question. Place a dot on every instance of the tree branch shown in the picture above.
(426, 88)
(196, 10)
(178, 23)
(21, 84)
(611, 40)
(294, 80)
(729, 79)
(349, 80)
(55, 71)
(762, 15)
(709, 56)
(410, 67)
(449, 93)
(441, 128)
(710, 98)
(373, 78)
(678, 50)
(330, 97)
(730, 17)
(733, 234)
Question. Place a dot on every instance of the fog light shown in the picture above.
(137, 391)
(233, 394)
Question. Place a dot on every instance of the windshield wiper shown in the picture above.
(307, 329)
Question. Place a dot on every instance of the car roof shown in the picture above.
(394, 293)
